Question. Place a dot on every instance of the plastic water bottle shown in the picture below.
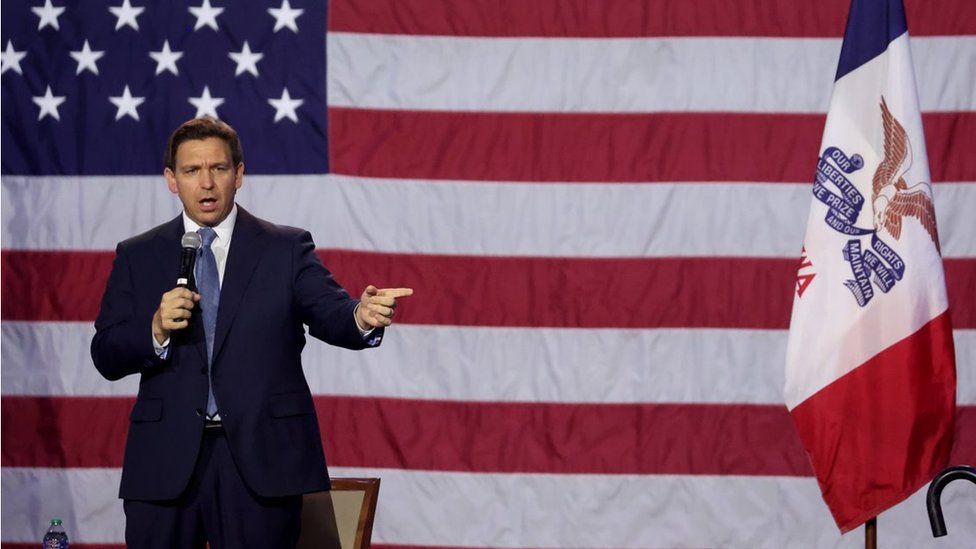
(55, 538)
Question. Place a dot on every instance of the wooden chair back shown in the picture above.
(341, 518)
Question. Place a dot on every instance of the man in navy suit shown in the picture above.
(223, 438)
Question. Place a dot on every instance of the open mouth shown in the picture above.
(208, 204)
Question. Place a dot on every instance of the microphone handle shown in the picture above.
(187, 261)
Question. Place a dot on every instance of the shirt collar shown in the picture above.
(224, 229)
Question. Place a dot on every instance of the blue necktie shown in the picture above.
(208, 284)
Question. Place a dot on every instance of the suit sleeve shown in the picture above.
(123, 337)
(326, 308)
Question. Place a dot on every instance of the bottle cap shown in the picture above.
(55, 522)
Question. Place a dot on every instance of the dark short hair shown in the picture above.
(202, 128)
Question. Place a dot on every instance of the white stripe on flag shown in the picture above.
(618, 74)
(519, 510)
(457, 217)
(84, 499)
(482, 364)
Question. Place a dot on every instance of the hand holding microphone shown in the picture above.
(175, 306)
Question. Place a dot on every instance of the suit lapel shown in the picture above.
(246, 247)
(169, 248)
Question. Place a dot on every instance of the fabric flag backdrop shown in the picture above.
(870, 378)
(615, 193)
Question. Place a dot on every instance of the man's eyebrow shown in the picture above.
(221, 163)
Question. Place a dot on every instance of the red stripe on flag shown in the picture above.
(457, 436)
(53, 285)
(614, 147)
(680, 439)
(689, 292)
(964, 447)
(697, 439)
(960, 278)
(630, 18)
(565, 147)
(581, 292)
(949, 138)
(880, 432)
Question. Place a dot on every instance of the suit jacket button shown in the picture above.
(199, 411)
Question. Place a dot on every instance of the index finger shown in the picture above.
(395, 292)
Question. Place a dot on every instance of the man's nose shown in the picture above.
(208, 180)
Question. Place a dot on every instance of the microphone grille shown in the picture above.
(192, 240)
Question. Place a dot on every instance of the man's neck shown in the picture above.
(224, 227)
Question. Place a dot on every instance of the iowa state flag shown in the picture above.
(870, 372)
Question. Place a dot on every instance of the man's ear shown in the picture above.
(171, 181)
(239, 175)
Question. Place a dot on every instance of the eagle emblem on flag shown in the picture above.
(874, 263)
(891, 197)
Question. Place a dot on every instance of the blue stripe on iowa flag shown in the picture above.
(871, 25)
(88, 140)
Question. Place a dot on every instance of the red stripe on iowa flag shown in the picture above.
(618, 147)
(856, 443)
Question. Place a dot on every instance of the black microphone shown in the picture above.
(191, 243)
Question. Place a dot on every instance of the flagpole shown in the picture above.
(871, 533)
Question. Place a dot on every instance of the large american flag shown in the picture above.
(600, 206)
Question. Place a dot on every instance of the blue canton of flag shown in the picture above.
(95, 88)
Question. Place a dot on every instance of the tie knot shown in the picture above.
(207, 234)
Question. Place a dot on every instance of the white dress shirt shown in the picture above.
(221, 247)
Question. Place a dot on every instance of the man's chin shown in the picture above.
(208, 219)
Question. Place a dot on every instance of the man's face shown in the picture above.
(205, 179)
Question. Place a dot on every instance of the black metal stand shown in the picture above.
(934, 498)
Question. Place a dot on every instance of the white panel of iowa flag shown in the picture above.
(616, 192)
(870, 378)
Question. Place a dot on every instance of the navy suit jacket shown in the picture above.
(273, 286)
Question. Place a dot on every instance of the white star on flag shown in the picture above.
(126, 104)
(206, 15)
(246, 60)
(205, 104)
(285, 16)
(285, 106)
(49, 104)
(10, 59)
(166, 59)
(86, 58)
(48, 14)
(126, 15)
